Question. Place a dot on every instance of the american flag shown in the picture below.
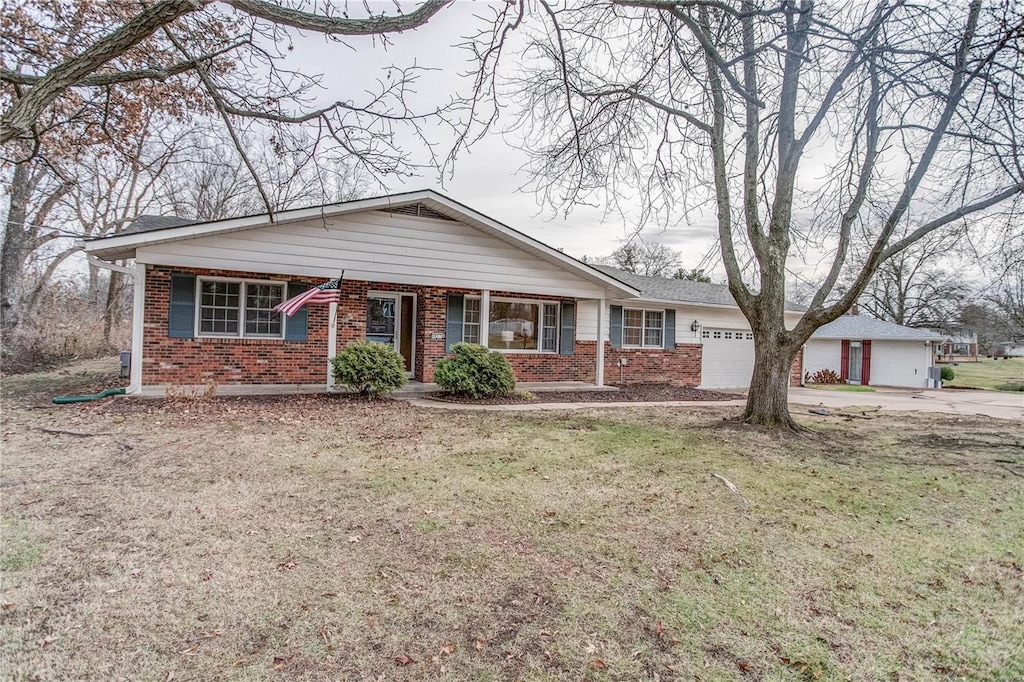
(328, 292)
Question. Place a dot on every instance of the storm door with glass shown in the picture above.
(390, 319)
(856, 362)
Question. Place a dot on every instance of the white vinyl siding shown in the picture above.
(893, 363)
(378, 247)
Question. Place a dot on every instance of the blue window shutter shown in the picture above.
(296, 327)
(670, 329)
(615, 326)
(453, 322)
(181, 312)
(567, 338)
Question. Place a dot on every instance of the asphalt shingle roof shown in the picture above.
(864, 327)
(682, 290)
(148, 223)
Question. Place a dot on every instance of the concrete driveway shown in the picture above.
(947, 400)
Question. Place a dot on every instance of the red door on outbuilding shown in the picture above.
(865, 363)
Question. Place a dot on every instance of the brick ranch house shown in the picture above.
(421, 272)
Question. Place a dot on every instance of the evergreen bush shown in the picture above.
(475, 372)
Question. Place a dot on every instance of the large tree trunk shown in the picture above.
(767, 401)
(768, 398)
(16, 246)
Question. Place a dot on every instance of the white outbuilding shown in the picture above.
(870, 352)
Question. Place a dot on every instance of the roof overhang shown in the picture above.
(123, 246)
(873, 337)
(702, 304)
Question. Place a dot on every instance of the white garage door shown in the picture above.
(727, 358)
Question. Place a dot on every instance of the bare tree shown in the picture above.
(33, 192)
(212, 185)
(1005, 293)
(693, 275)
(649, 259)
(912, 288)
(693, 103)
(85, 63)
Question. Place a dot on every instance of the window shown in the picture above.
(513, 325)
(643, 328)
(961, 349)
(260, 301)
(549, 328)
(471, 321)
(240, 308)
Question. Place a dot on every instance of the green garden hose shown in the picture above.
(106, 393)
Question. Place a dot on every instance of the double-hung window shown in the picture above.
(512, 325)
(240, 308)
(643, 328)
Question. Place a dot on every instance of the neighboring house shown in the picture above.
(962, 347)
(866, 351)
(421, 272)
(1007, 349)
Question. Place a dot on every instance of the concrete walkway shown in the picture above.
(948, 401)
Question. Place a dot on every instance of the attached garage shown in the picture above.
(727, 359)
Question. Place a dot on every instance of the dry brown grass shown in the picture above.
(311, 539)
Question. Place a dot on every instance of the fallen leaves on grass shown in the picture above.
(405, 659)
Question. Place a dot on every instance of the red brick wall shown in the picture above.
(272, 361)
(229, 361)
(796, 371)
(275, 361)
(680, 366)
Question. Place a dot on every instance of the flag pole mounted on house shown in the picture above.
(328, 292)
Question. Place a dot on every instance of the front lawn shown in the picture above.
(848, 388)
(989, 373)
(309, 538)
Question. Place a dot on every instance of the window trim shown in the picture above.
(242, 294)
(540, 303)
(643, 327)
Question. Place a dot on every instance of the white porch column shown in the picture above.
(601, 304)
(332, 341)
(485, 316)
(138, 308)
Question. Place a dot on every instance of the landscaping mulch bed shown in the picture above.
(631, 393)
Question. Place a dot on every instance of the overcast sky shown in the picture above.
(489, 177)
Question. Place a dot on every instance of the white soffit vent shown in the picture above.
(420, 211)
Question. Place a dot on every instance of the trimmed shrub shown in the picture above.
(368, 368)
(947, 373)
(475, 372)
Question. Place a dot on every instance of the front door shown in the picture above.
(390, 319)
(856, 361)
